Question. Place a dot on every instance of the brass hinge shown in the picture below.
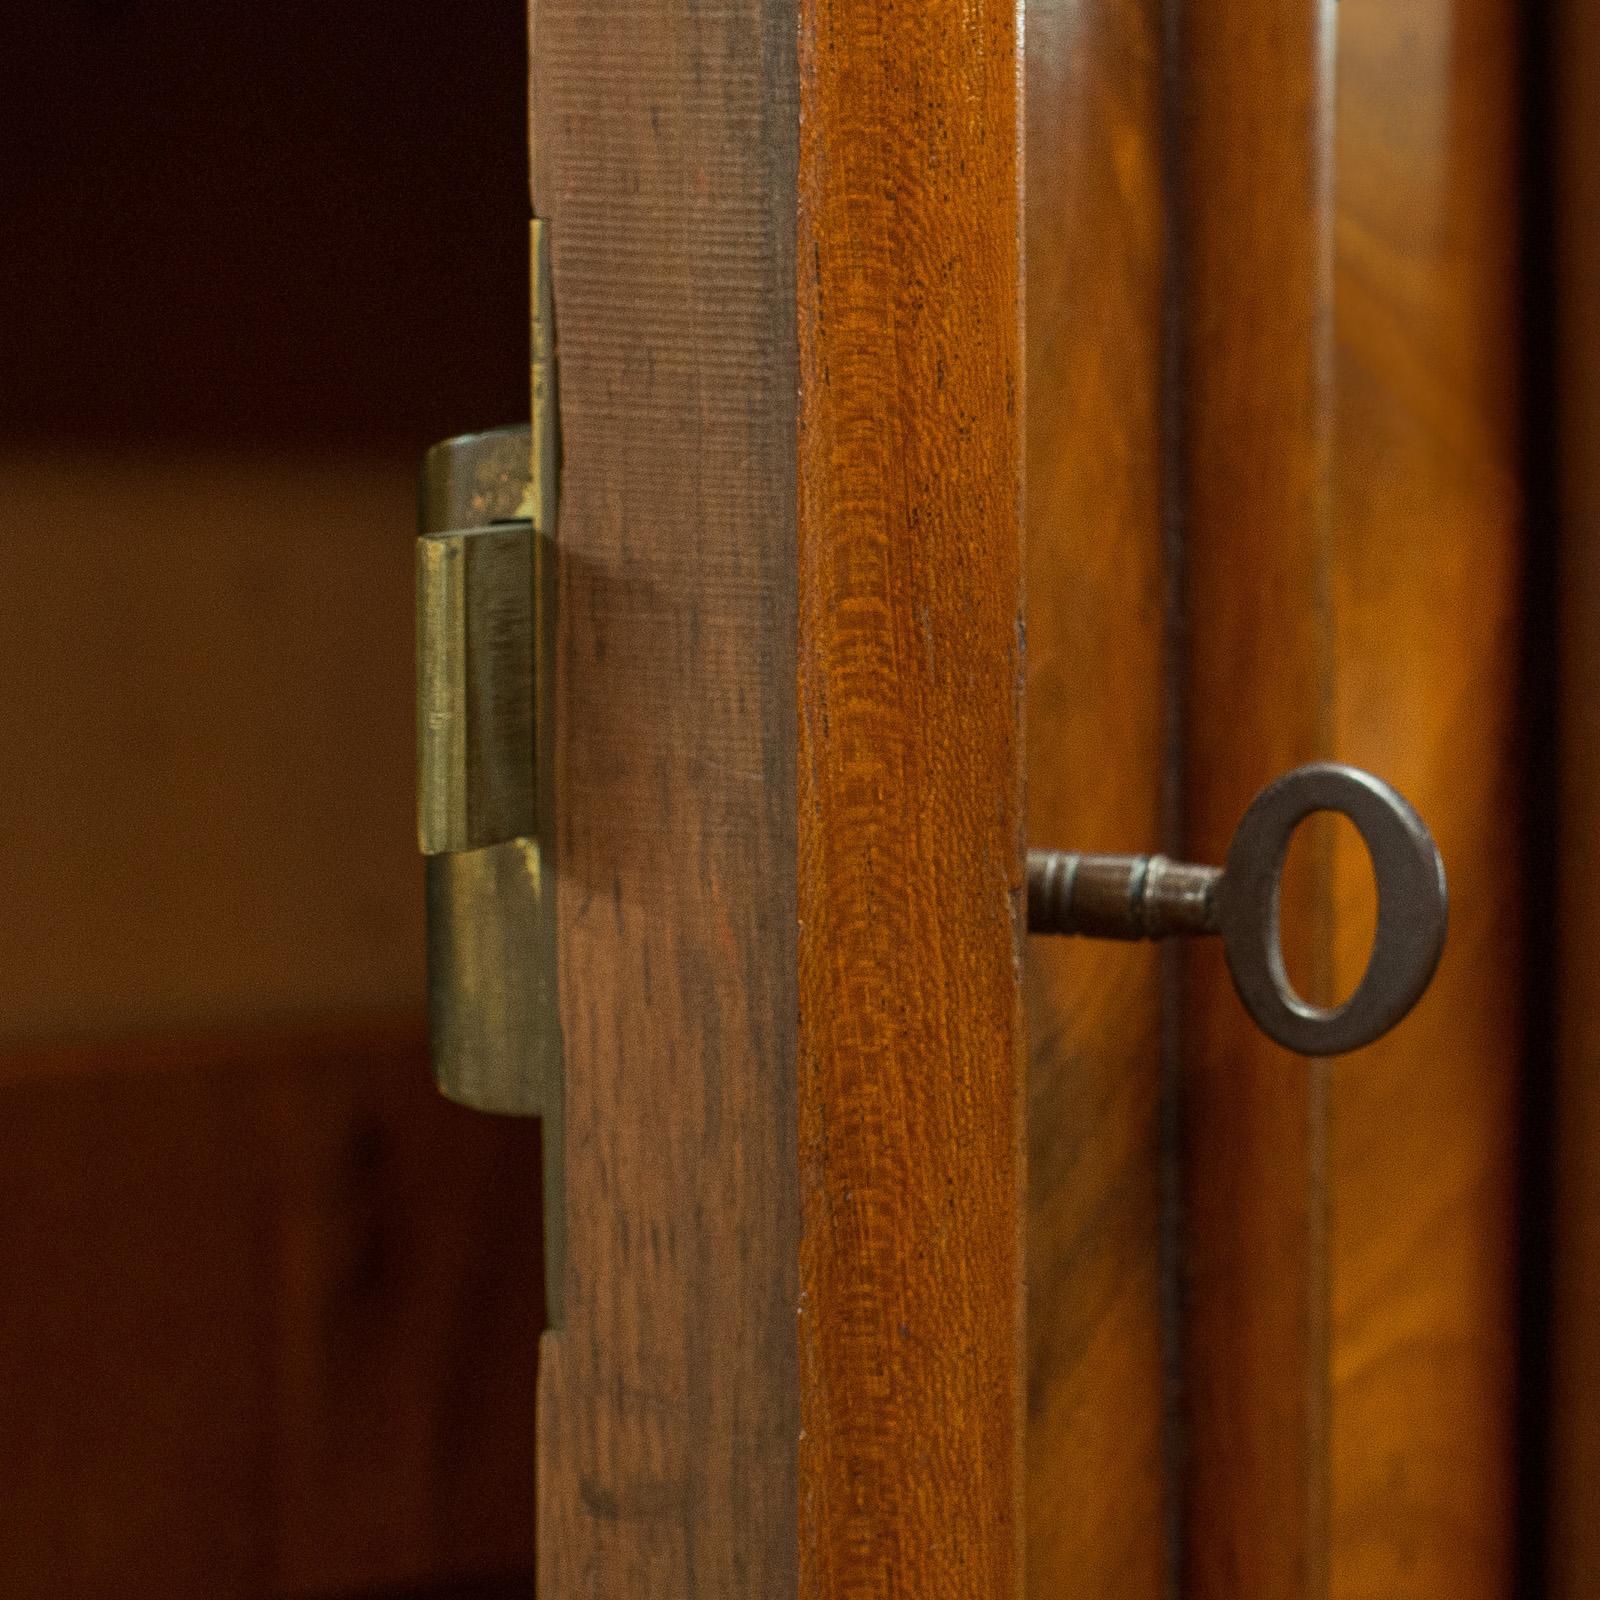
(485, 822)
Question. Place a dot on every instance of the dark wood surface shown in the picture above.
(1254, 255)
(1097, 589)
(268, 1323)
(407, 1284)
(663, 160)
(910, 816)
(284, 232)
(1574, 1399)
(488, 1588)
(1428, 689)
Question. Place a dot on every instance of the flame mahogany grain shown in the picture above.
(1254, 293)
(1353, 512)
(1097, 591)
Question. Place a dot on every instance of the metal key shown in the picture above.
(1150, 897)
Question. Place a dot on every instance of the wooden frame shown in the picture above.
(789, 797)
(910, 826)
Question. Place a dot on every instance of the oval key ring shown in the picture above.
(1412, 908)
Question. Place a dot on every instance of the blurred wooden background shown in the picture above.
(270, 1306)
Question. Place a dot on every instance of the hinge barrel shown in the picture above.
(485, 637)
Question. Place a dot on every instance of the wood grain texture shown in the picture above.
(663, 161)
(1096, 595)
(1574, 1542)
(1427, 593)
(910, 816)
(268, 1320)
(1254, 138)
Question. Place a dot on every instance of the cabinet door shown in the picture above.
(788, 798)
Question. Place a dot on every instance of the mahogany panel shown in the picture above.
(1254, 140)
(1097, 1512)
(1427, 595)
(910, 807)
(663, 160)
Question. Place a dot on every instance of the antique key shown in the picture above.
(1150, 897)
